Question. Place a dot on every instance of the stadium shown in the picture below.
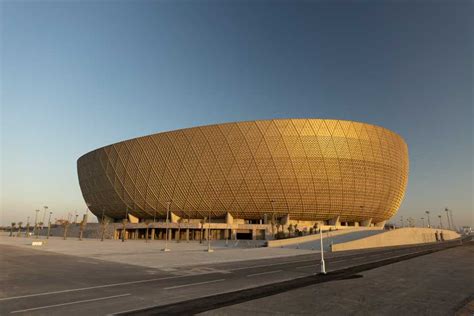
(245, 178)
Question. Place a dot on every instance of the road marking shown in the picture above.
(192, 284)
(310, 266)
(90, 262)
(69, 303)
(92, 287)
(262, 273)
(270, 265)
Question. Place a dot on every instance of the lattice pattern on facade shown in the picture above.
(312, 169)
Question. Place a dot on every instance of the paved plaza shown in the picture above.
(441, 283)
(138, 252)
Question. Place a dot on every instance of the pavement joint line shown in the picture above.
(211, 302)
(69, 303)
(308, 266)
(262, 273)
(270, 265)
(192, 284)
(354, 256)
(136, 282)
(124, 312)
(92, 287)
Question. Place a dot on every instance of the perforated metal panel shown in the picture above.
(313, 169)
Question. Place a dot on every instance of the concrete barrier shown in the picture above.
(308, 238)
(398, 237)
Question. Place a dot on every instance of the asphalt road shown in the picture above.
(39, 283)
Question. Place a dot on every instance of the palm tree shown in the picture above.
(82, 227)
(202, 229)
(179, 229)
(11, 228)
(124, 229)
(273, 225)
(147, 223)
(290, 229)
(19, 229)
(40, 224)
(104, 224)
(65, 224)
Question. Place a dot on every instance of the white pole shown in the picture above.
(209, 234)
(166, 234)
(323, 266)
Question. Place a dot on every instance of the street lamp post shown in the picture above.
(124, 229)
(49, 225)
(273, 217)
(209, 234)
(440, 222)
(447, 216)
(153, 229)
(423, 222)
(452, 219)
(428, 215)
(44, 216)
(27, 232)
(323, 265)
(103, 224)
(35, 230)
(167, 225)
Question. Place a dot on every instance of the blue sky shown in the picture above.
(77, 75)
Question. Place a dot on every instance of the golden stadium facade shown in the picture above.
(309, 169)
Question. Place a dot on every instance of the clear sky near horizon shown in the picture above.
(77, 75)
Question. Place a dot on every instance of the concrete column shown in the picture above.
(136, 234)
(152, 234)
(187, 234)
(334, 221)
(234, 234)
(229, 219)
(285, 220)
(254, 234)
(366, 223)
(380, 224)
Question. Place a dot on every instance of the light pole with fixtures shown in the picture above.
(447, 216)
(452, 219)
(323, 265)
(35, 230)
(428, 215)
(167, 225)
(209, 235)
(27, 233)
(124, 229)
(44, 216)
(49, 225)
(273, 217)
